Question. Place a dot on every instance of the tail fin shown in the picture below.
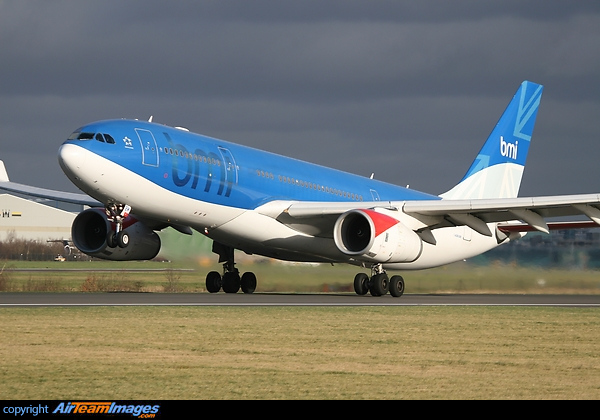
(3, 173)
(498, 168)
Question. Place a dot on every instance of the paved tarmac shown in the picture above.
(282, 299)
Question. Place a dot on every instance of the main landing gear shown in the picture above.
(116, 213)
(230, 281)
(379, 283)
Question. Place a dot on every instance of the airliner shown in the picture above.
(140, 177)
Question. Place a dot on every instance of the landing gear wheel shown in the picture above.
(248, 282)
(122, 239)
(231, 282)
(111, 239)
(396, 286)
(361, 284)
(380, 284)
(213, 282)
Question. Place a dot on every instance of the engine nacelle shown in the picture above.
(373, 236)
(90, 231)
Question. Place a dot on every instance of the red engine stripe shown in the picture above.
(382, 222)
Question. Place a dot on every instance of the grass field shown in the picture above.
(151, 276)
(299, 353)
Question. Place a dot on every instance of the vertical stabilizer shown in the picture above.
(3, 173)
(498, 168)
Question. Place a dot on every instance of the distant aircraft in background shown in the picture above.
(144, 177)
(67, 247)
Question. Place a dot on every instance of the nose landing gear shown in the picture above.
(116, 213)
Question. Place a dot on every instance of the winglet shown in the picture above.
(497, 170)
(3, 173)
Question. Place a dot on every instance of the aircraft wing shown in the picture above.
(533, 211)
(28, 190)
(318, 218)
(66, 197)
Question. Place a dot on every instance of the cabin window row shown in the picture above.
(192, 156)
(310, 185)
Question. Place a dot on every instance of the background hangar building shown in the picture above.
(41, 220)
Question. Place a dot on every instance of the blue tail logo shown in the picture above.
(527, 111)
(497, 170)
(508, 150)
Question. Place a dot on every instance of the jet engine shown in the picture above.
(90, 231)
(373, 236)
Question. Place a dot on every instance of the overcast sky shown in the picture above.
(408, 90)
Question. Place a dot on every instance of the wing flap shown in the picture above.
(524, 227)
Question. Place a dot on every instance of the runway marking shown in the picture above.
(11, 300)
(576, 305)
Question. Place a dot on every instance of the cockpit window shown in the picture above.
(101, 137)
(85, 136)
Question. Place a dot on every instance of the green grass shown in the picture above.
(290, 353)
(127, 276)
(299, 353)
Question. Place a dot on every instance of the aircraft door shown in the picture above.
(148, 145)
(231, 172)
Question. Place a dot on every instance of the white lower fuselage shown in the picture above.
(246, 229)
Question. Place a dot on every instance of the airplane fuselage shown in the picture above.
(230, 192)
(143, 177)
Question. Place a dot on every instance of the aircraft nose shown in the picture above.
(71, 159)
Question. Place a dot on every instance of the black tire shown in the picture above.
(396, 286)
(361, 284)
(213, 282)
(248, 282)
(122, 239)
(231, 282)
(380, 284)
(111, 239)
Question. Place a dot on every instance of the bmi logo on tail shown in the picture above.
(508, 150)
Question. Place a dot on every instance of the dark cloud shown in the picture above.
(408, 90)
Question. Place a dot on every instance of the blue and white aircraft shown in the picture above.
(143, 177)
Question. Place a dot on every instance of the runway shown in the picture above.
(282, 299)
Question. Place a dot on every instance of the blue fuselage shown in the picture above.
(224, 173)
